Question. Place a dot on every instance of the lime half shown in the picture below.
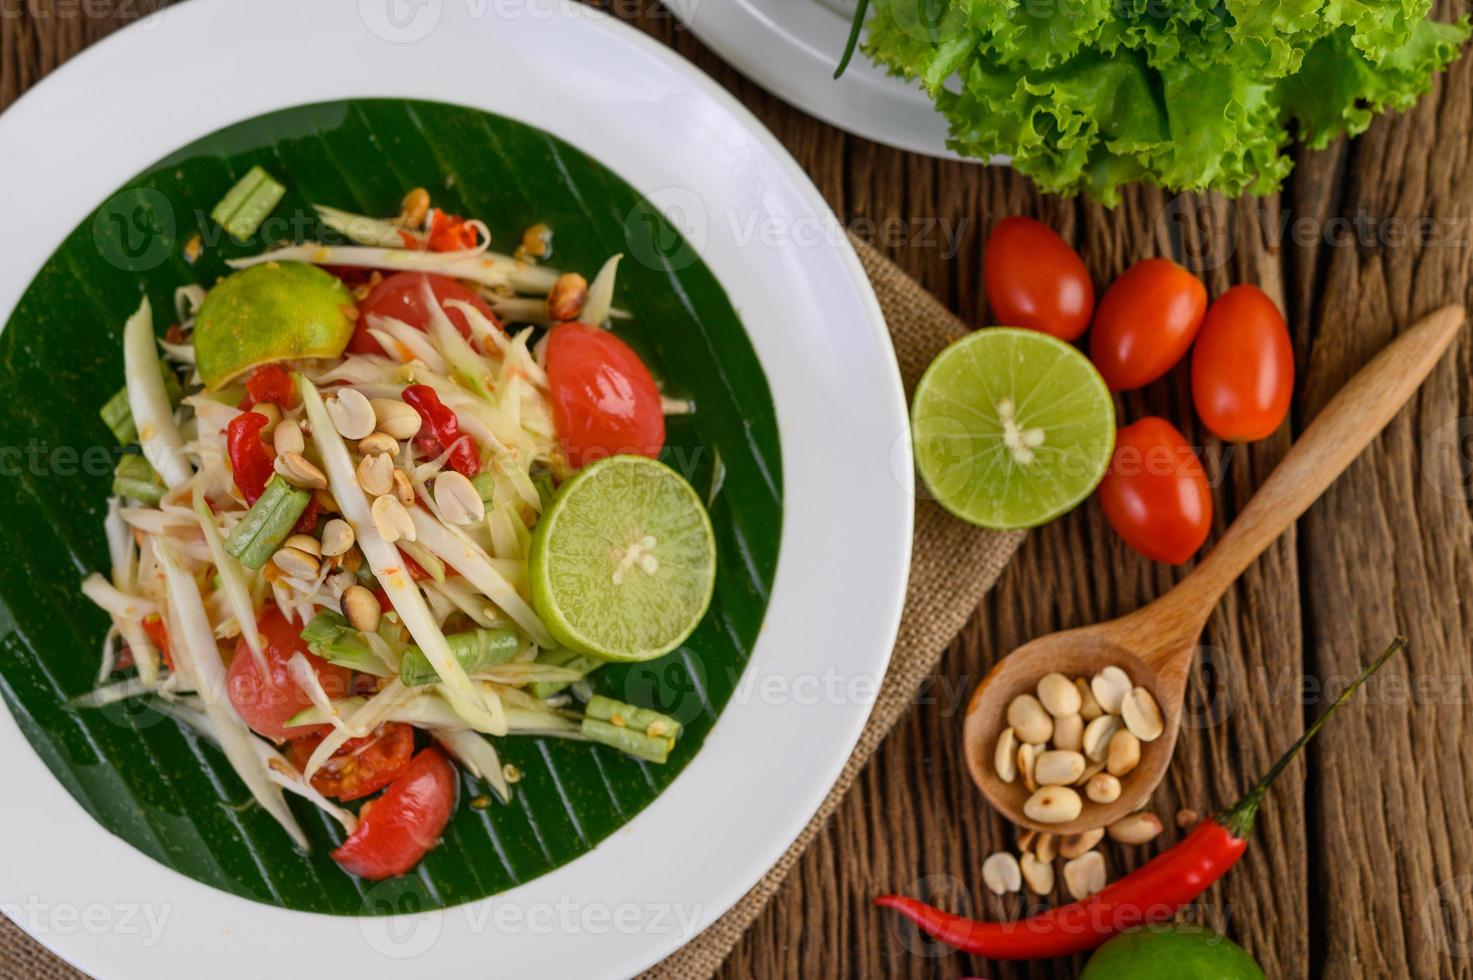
(1012, 428)
(279, 311)
(623, 561)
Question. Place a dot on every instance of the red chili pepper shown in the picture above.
(1152, 893)
(444, 426)
(450, 233)
(249, 458)
(307, 523)
(269, 383)
(158, 634)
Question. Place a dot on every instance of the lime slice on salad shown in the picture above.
(623, 561)
(1012, 428)
(279, 311)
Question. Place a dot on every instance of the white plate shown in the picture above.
(791, 48)
(814, 322)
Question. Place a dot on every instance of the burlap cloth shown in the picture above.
(952, 567)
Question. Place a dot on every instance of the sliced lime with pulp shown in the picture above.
(279, 311)
(623, 561)
(1012, 428)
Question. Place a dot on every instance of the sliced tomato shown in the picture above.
(363, 766)
(265, 701)
(400, 297)
(604, 399)
(398, 829)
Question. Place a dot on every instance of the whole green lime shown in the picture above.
(1171, 952)
(279, 311)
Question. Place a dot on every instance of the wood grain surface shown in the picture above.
(1362, 865)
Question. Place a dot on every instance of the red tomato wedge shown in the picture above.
(400, 297)
(399, 828)
(604, 400)
(266, 701)
(1243, 366)
(1155, 494)
(1146, 323)
(363, 766)
(1035, 280)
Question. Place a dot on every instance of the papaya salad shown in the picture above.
(383, 504)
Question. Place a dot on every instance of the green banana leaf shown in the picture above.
(171, 794)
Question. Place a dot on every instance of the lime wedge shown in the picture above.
(279, 311)
(623, 562)
(1012, 428)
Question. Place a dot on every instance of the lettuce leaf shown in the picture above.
(1088, 95)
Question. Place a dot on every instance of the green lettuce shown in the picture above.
(1088, 95)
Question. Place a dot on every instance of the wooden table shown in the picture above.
(1363, 861)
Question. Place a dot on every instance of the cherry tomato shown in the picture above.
(363, 766)
(1146, 322)
(1035, 280)
(1243, 366)
(604, 399)
(1155, 493)
(399, 296)
(400, 827)
(265, 702)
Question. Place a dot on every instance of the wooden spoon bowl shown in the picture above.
(1155, 644)
(1075, 653)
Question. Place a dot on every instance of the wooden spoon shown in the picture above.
(1155, 644)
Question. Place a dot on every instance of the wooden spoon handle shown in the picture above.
(1331, 443)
